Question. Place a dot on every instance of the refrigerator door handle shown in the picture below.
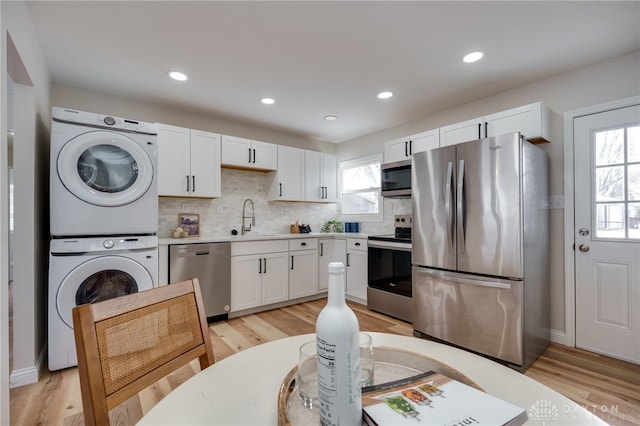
(458, 279)
(448, 207)
(460, 210)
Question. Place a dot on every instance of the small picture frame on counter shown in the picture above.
(190, 222)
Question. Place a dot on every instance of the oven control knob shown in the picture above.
(108, 244)
(109, 121)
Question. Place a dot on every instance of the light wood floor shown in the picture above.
(607, 387)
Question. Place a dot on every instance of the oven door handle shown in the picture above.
(389, 245)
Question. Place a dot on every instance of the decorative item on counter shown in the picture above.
(352, 227)
(180, 233)
(190, 223)
(332, 226)
(299, 228)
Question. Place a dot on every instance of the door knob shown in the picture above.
(583, 248)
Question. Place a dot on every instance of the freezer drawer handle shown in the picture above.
(464, 280)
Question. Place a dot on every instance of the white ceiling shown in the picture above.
(326, 57)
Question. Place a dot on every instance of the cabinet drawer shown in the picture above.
(303, 244)
(258, 247)
(356, 244)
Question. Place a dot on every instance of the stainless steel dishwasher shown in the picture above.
(211, 264)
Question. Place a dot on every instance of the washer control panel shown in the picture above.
(103, 121)
(102, 244)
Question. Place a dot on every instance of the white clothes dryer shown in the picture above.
(88, 270)
(103, 175)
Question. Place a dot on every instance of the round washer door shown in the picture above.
(100, 278)
(105, 168)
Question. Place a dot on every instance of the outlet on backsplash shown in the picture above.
(185, 207)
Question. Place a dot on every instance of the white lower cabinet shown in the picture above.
(329, 250)
(303, 267)
(259, 273)
(357, 254)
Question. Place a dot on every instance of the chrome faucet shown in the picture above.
(244, 216)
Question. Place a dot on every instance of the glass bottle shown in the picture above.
(337, 337)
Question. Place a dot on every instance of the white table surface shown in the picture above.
(243, 388)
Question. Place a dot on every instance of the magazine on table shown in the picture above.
(434, 399)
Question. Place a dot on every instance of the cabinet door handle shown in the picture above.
(254, 156)
(321, 249)
(249, 155)
(406, 148)
(410, 148)
(193, 183)
(292, 263)
(280, 195)
(259, 266)
(479, 130)
(348, 260)
(188, 187)
(486, 129)
(265, 265)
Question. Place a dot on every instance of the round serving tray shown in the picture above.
(389, 364)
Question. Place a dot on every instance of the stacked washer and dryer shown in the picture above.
(104, 217)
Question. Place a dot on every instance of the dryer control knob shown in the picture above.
(110, 121)
(108, 244)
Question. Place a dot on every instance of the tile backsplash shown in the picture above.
(219, 216)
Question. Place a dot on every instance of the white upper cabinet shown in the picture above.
(531, 120)
(464, 131)
(248, 154)
(188, 162)
(403, 148)
(321, 177)
(425, 141)
(287, 183)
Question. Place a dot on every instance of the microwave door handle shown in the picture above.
(448, 190)
(460, 209)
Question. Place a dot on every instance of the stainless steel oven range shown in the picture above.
(389, 270)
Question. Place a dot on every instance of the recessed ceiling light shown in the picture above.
(472, 57)
(385, 95)
(268, 101)
(176, 75)
(331, 117)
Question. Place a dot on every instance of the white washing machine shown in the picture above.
(103, 175)
(87, 270)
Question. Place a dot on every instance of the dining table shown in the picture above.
(245, 388)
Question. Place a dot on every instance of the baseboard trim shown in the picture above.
(560, 337)
(29, 375)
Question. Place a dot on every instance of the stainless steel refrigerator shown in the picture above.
(480, 247)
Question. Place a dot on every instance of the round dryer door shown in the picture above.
(99, 279)
(105, 168)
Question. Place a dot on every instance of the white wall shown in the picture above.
(22, 59)
(104, 103)
(609, 80)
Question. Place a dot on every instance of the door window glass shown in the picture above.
(105, 285)
(107, 168)
(617, 183)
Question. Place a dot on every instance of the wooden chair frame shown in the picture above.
(95, 400)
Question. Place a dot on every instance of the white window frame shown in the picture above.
(365, 217)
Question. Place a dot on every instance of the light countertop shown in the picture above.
(256, 237)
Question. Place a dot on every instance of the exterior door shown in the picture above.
(607, 232)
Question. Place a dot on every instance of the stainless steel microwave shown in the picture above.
(395, 179)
